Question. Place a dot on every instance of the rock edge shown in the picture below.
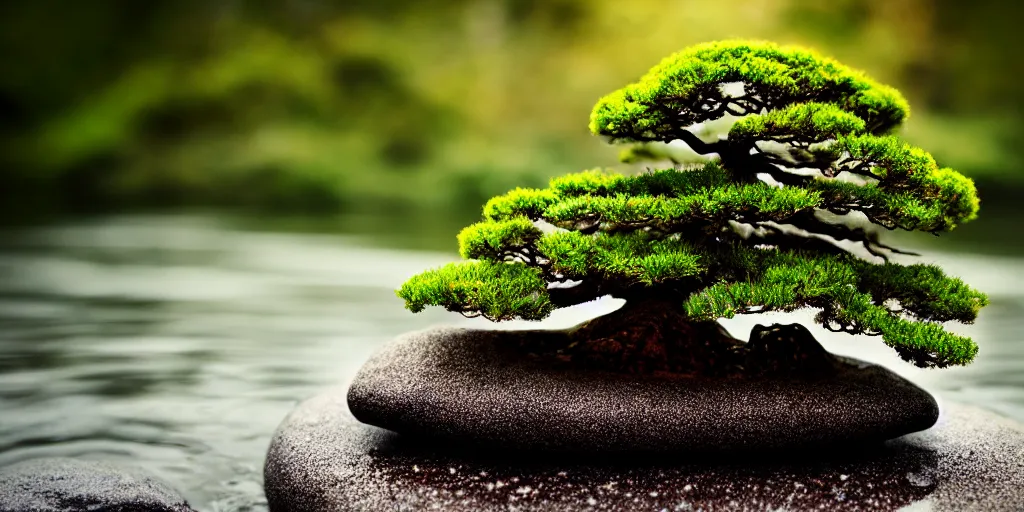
(321, 459)
(72, 485)
(477, 386)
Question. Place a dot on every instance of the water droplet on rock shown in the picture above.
(920, 480)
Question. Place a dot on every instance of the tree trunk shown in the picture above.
(655, 336)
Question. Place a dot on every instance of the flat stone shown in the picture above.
(479, 386)
(71, 485)
(321, 459)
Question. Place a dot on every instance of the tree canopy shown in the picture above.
(771, 222)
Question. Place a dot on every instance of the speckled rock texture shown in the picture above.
(321, 459)
(70, 485)
(479, 386)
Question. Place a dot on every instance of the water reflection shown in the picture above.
(179, 343)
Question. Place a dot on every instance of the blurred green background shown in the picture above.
(423, 109)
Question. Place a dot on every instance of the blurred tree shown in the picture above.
(317, 105)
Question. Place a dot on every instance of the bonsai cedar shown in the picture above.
(768, 225)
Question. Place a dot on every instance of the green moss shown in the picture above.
(812, 122)
(638, 258)
(519, 202)
(925, 343)
(629, 259)
(912, 190)
(778, 75)
(571, 253)
(499, 291)
(851, 293)
(758, 199)
(493, 239)
(922, 291)
(665, 182)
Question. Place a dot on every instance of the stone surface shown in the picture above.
(70, 485)
(479, 386)
(321, 459)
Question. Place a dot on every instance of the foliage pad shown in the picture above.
(773, 221)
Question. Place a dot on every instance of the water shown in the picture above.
(179, 343)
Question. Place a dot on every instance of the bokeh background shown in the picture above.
(206, 205)
(429, 107)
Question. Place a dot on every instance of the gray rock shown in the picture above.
(70, 485)
(321, 459)
(479, 386)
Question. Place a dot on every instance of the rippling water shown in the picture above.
(179, 343)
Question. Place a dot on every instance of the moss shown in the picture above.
(812, 122)
(712, 203)
(708, 238)
(779, 75)
(519, 202)
(920, 198)
(501, 291)
(914, 191)
(851, 294)
(486, 240)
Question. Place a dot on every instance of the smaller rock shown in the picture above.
(322, 460)
(70, 485)
(785, 349)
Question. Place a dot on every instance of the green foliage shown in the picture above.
(667, 182)
(521, 201)
(852, 295)
(745, 233)
(725, 202)
(899, 209)
(682, 89)
(501, 291)
(927, 198)
(273, 106)
(635, 258)
(923, 291)
(801, 121)
(900, 167)
(486, 240)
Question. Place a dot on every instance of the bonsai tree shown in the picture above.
(783, 216)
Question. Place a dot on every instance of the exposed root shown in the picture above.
(656, 337)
